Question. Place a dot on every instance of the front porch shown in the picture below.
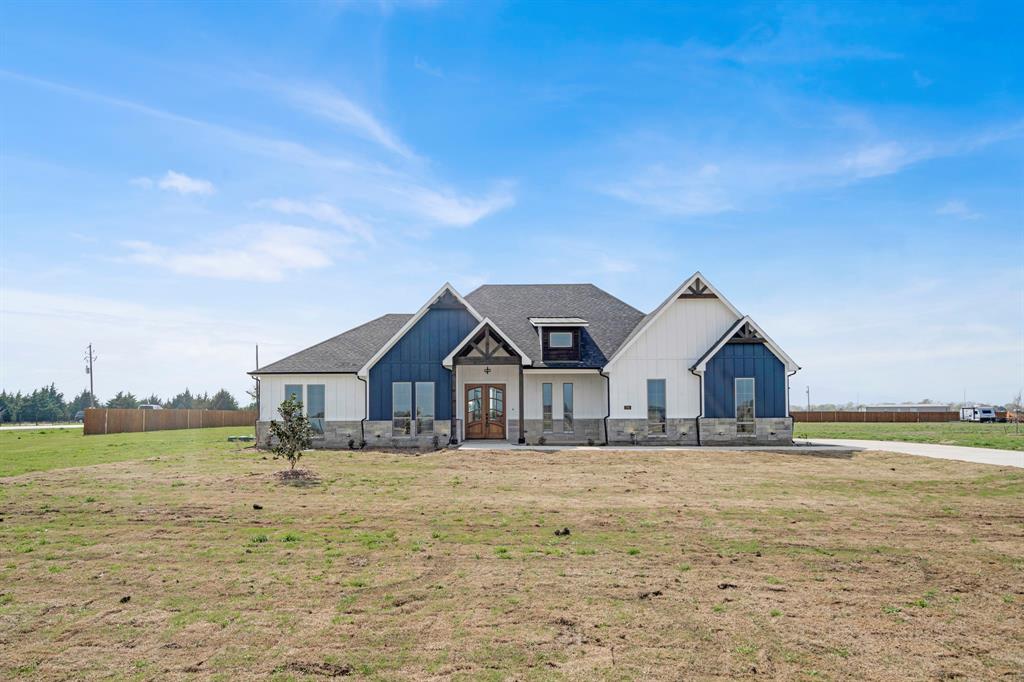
(487, 388)
(499, 396)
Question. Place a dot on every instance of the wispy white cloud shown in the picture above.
(176, 182)
(957, 209)
(705, 180)
(686, 191)
(326, 102)
(321, 211)
(454, 210)
(921, 80)
(789, 43)
(376, 183)
(183, 184)
(421, 65)
(259, 253)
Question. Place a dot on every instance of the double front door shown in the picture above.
(485, 411)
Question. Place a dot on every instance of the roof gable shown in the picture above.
(488, 324)
(696, 286)
(445, 298)
(745, 331)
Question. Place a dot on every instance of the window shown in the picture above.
(401, 408)
(315, 404)
(293, 390)
(560, 340)
(656, 406)
(547, 423)
(745, 407)
(567, 408)
(561, 345)
(424, 407)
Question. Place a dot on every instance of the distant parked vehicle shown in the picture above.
(80, 416)
(147, 406)
(977, 414)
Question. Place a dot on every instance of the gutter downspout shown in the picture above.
(522, 405)
(700, 412)
(608, 397)
(366, 412)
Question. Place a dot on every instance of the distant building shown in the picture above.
(919, 407)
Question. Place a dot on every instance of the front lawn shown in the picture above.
(1003, 436)
(22, 451)
(201, 562)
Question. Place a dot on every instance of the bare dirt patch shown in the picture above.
(448, 565)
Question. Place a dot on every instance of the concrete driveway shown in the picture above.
(1012, 458)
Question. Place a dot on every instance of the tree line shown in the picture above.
(47, 404)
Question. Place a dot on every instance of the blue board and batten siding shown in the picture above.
(417, 357)
(744, 360)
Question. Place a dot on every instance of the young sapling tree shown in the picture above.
(292, 434)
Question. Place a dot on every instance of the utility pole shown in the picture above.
(90, 358)
(808, 398)
(257, 383)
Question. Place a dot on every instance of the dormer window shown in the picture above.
(560, 340)
(561, 345)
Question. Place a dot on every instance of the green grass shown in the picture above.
(23, 451)
(320, 580)
(1002, 436)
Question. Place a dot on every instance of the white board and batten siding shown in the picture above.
(666, 350)
(344, 395)
(588, 394)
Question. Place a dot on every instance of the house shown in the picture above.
(542, 363)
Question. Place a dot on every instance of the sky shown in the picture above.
(183, 181)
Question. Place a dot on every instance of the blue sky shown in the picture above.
(182, 181)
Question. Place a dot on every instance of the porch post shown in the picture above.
(522, 433)
(453, 437)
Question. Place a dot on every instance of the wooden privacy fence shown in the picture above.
(850, 416)
(111, 420)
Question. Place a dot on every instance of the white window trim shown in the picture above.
(302, 395)
(305, 408)
(552, 334)
(573, 414)
(415, 407)
(647, 400)
(736, 407)
(412, 415)
(543, 428)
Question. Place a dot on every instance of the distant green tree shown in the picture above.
(124, 400)
(222, 400)
(10, 406)
(81, 402)
(153, 399)
(45, 404)
(182, 401)
(202, 401)
(293, 434)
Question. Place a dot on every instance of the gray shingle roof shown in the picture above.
(511, 306)
(346, 352)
